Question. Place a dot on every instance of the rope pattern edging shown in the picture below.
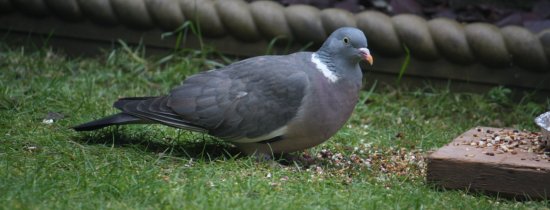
(427, 40)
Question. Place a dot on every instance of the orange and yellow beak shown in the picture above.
(366, 55)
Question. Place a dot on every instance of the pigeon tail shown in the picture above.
(116, 119)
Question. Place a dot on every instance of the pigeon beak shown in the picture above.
(365, 53)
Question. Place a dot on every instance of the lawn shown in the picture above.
(377, 161)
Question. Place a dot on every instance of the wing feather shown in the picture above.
(240, 102)
(247, 99)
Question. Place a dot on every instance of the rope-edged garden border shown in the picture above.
(427, 40)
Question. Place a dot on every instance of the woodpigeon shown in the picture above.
(264, 105)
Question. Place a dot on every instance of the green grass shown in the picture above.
(49, 166)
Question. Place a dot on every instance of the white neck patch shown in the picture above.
(323, 68)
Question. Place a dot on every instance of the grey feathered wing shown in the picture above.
(246, 99)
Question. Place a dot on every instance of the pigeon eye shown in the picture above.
(346, 40)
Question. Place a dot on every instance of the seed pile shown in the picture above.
(501, 141)
(388, 161)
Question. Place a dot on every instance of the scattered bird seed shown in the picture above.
(502, 141)
(51, 117)
(47, 121)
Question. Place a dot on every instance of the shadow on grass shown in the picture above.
(184, 145)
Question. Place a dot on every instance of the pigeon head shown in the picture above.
(347, 43)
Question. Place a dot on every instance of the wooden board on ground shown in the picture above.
(499, 161)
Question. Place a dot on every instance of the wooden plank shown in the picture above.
(521, 171)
